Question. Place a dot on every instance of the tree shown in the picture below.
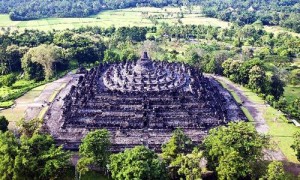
(28, 128)
(232, 166)
(8, 151)
(94, 150)
(257, 79)
(275, 171)
(3, 124)
(128, 54)
(14, 55)
(86, 48)
(45, 56)
(35, 157)
(190, 165)
(276, 87)
(139, 163)
(233, 150)
(111, 56)
(173, 151)
(39, 158)
(178, 143)
(296, 144)
(9, 80)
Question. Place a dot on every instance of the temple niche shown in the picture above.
(140, 102)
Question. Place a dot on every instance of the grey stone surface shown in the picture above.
(140, 103)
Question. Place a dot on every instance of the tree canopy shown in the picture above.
(35, 157)
(233, 151)
(296, 144)
(3, 124)
(177, 144)
(139, 163)
(39, 62)
(94, 150)
(275, 171)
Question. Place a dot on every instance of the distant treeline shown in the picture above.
(285, 13)
(36, 9)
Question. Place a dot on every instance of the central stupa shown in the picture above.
(146, 76)
(140, 102)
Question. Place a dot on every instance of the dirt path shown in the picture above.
(31, 103)
(256, 109)
(46, 96)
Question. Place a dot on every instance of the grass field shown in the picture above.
(278, 29)
(15, 114)
(118, 18)
(291, 93)
(280, 131)
(18, 88)
(126, 17)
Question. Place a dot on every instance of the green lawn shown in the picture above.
(15, 114)
(291, 93)
(278, 29)
(280, 131)
(117, 18)
(16, 90)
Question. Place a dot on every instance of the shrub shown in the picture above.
(9, 80)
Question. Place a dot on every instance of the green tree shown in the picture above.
(111, 56)
(139, 163)
(39, 158)
(14, 55)
(275, 171)
(234, 150)
(86, 48)
(178, 143)
(296, 144)
(128, 54)
(276, 87)
(3, 124)
(8, 151)
(9, 80)
(43, 55)
(94, 150)
(28, 128)
(190, 165)
(232, 166)
(257, 79)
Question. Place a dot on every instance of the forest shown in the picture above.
(282, 13)
(36, 9)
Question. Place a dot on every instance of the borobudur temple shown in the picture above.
(140, 102)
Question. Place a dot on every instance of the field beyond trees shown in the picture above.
(140, 16)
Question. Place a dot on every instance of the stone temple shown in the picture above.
(140, 102)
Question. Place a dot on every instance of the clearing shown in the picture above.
(34, 103)
(122, 17)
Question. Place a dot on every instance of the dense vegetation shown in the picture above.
(33, 157)
(232, 152)
(36, 9)
(270, 12)
(229, 157)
